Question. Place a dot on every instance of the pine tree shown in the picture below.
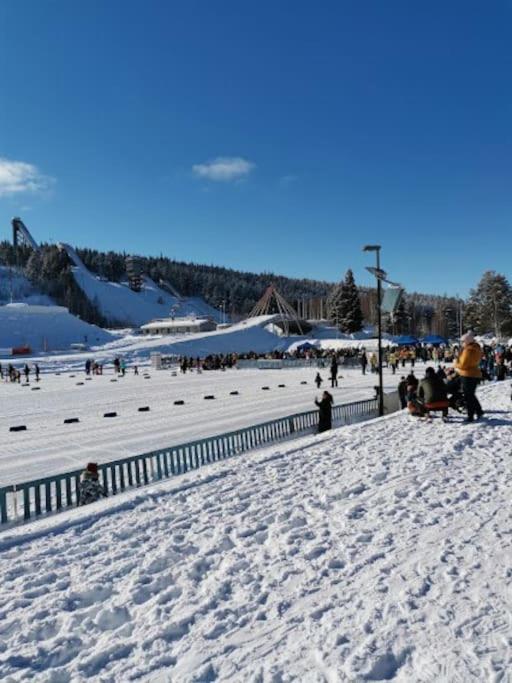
(489, 308)
(344, 306)
(334, 304)
(351, 316)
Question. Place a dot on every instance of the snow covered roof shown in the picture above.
(170, 323)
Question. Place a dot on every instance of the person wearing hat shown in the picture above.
(90, 489)
(468, 367)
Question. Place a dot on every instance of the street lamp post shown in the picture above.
(378, 274)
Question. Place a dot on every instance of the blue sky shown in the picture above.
(268, 136)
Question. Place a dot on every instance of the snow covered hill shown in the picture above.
(375, 552)
(119, 304)
(14, 286)
(45, 328)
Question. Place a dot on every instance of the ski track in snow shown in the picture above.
(375, 552)
(49, 446)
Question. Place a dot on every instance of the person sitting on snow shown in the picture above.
(414, 405)
(90, 488)
(432, 393)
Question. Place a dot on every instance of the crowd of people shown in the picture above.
(14, 374)
(446, 387)
(453, 387)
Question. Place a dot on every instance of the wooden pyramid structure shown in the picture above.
(271, 303)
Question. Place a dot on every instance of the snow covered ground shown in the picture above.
(50, 446)
(375, 552)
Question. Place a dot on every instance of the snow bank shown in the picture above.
(45, 328)
(375, 552)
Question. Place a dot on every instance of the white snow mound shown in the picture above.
(45, 328)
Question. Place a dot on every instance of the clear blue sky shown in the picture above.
(269, 136)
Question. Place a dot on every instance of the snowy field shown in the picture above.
(49, 446)
(375, 552)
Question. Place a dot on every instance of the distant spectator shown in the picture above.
(334, 372)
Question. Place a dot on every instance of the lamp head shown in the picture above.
(371, 247)
(378, 272)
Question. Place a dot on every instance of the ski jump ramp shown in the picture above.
(73, 256)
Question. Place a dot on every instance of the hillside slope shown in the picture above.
(46, 328)
(119, 304)
(15, 287)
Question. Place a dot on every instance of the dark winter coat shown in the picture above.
(412, 381)
(325, 414)
(90, 488)
(432, 389)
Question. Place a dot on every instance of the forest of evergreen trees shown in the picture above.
(489, 305)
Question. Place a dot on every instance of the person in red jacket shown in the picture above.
(468, 368)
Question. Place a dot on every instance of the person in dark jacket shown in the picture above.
(412, 380)
(334, 372)
(402, 392)
(325, 412)
(432, 392)
(364, 362)
(318, 380)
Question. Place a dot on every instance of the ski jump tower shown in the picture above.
(20, 233)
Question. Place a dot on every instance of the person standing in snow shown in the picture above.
(90, 489)
(37, 371)
(318, 380)
(373, 362)
(364, 362)
(334, 372)
(468, 367)
(325, 412)
(412, 380)
(26, 372)
(392, 361)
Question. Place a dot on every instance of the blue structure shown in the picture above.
(434, 339)
(405, 340)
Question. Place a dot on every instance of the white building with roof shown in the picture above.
(184, 325)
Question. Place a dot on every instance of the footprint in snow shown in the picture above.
(111, 619)
(315, 552)
(356, 512)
